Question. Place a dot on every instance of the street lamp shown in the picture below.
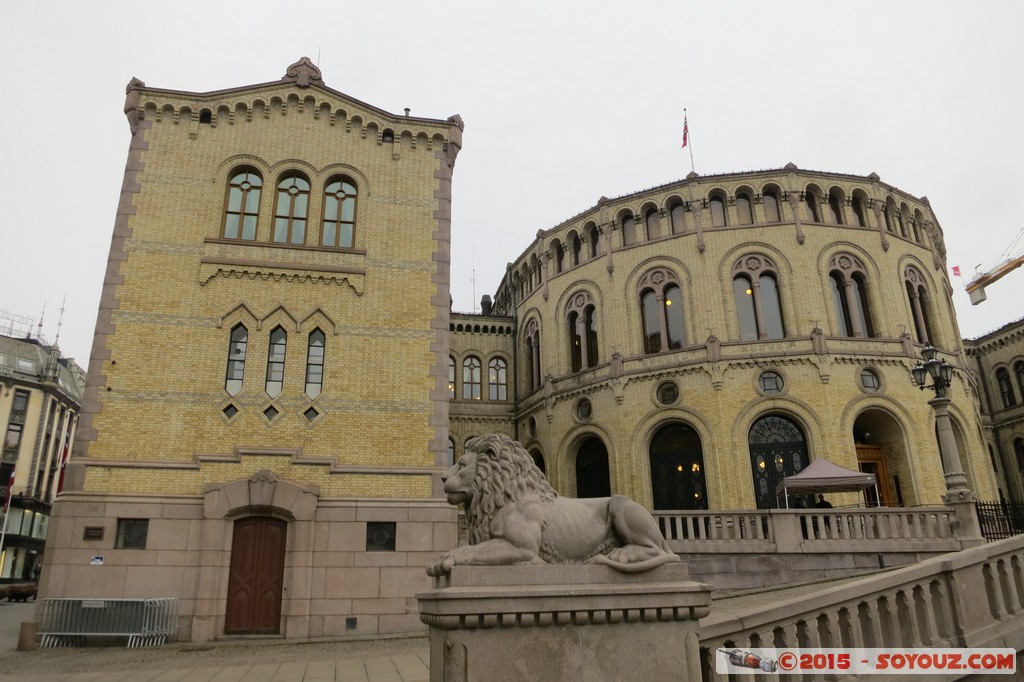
(941, 374)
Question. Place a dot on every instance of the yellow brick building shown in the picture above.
(691, 344)
(266, 410)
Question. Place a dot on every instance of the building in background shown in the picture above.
(265, 416)
(40, 401)
(997, 359)
(691, 344)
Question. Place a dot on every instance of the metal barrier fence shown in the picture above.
(1001, 520)
(145, 622)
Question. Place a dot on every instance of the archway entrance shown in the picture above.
(256, 577)
(777, 449)
(881, 450)
(592, 473)
(677, 469)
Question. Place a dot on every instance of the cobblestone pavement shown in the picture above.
(399, 659)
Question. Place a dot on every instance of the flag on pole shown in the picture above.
(10, 489)
(956, 271)
(686, 132)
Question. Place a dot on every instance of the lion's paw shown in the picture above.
(442, 565)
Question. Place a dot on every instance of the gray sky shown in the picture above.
(563, 103)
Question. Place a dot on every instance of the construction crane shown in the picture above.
(976, 287)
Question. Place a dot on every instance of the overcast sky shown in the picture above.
(563, 102)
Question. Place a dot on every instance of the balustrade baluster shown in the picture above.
(1018, 578)
(849, 626)
(941, 607)
(925, 616)
(887, 620)
(904, 526)
(870, 622)
(995, 597)
(1011, 598)
(908, 624)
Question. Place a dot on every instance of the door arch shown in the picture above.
(677, 468)
(592, 472)
(777, 449)
(256, 576)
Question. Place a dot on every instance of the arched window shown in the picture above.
(451, 453)
(900, 220)
(1018, 451)
(677, 469)
(591, 233)
(849, 295)
(275, 361)
(558, 253)
(661, 310)
(582, 331)
(920, 230)
(812, 210)
(920, 304)
(592, 472)
(744, 209)
(339, 223)
(777, 449)
(315, 363)
(653, 221)
(770, 202)
(678, 217)
(1018, 369)
(497, 379)
(1005, 387)
(242, 205)
(717, 204)
(532, 341)
(577, 247)
(290, 210)
(888, 213)
(628, 230)
(451, 377)
(471, 378)
(860, 210)
(756, 294)
(835, 210)
(236, 359)
(538, 459)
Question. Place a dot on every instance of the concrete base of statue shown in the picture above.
(555, 623)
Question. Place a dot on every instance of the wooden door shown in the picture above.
(256, 578)
(871, 460)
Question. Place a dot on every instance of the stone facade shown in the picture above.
(997, 359)
(802, 299)
(256, 316)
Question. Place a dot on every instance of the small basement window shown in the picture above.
(132, 533)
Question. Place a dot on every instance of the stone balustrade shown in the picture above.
(974, 598)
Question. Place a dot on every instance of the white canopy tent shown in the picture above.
(822, 476)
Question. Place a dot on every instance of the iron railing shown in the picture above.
(145, 622)
(1001, 520)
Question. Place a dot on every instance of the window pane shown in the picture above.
(653, 225)
(743, 210)
(235, 200)
(771, 208)
(678, 219)
(284, 201)
(249, 227)
(839, 302)
(281, 230)
(252, 201)
(743, 295)
(860, 307)
(329, 235)
(674, 317)
(652, 323)
(771, 308)
(231, 226)
(301, 205)
(348, 210)
(346, 237)
(717, 212)
(628, 232)
(299, 232)
(330, 208)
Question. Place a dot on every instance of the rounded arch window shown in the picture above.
(677, 468)
(777, 449)
(538, 459)
(584, 409)
(667, 393)
(531, 427)
(770, 383)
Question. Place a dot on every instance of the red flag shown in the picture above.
(10, 490)
(686, 133)
(956, 270)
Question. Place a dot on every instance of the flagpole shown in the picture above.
(686, 126)
(7, 515)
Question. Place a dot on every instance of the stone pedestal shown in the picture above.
(555, 623)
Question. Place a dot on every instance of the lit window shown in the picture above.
(236, 359)
(339, 214)
(451, 377)
(471, 378)
(275, 361)
(497, 382)
(132, 533)
(290, 210)
(756, 295)
(242, 205)
(661, 311)
(315, 363)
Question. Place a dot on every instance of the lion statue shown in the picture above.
(514, 516)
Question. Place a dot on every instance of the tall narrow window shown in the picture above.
(651, 322)
(242, 209)
(678, 216)
(744, 209)
(811, 208)
(290, 210)
(661, 310)
(315, 363)
(1018, 369)
(236, 359)
(717, 204)
(275, 361)
(590, 330)
(471, 378)
(582, 331)
(835, 212)
(533, 354)
(859, 210)
(756, 295)
(577, 248)
(1005, 387)
(917, 295)
(559, 255)
(844, 328)
(575, 342)
(497, 380)
(339, 222)
(674, 317)
(653, 221)
(592, 243)
(770, 201)
(849, 295)
(451, 377)
(628, 231)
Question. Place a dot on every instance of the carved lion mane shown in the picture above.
(515, 517)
